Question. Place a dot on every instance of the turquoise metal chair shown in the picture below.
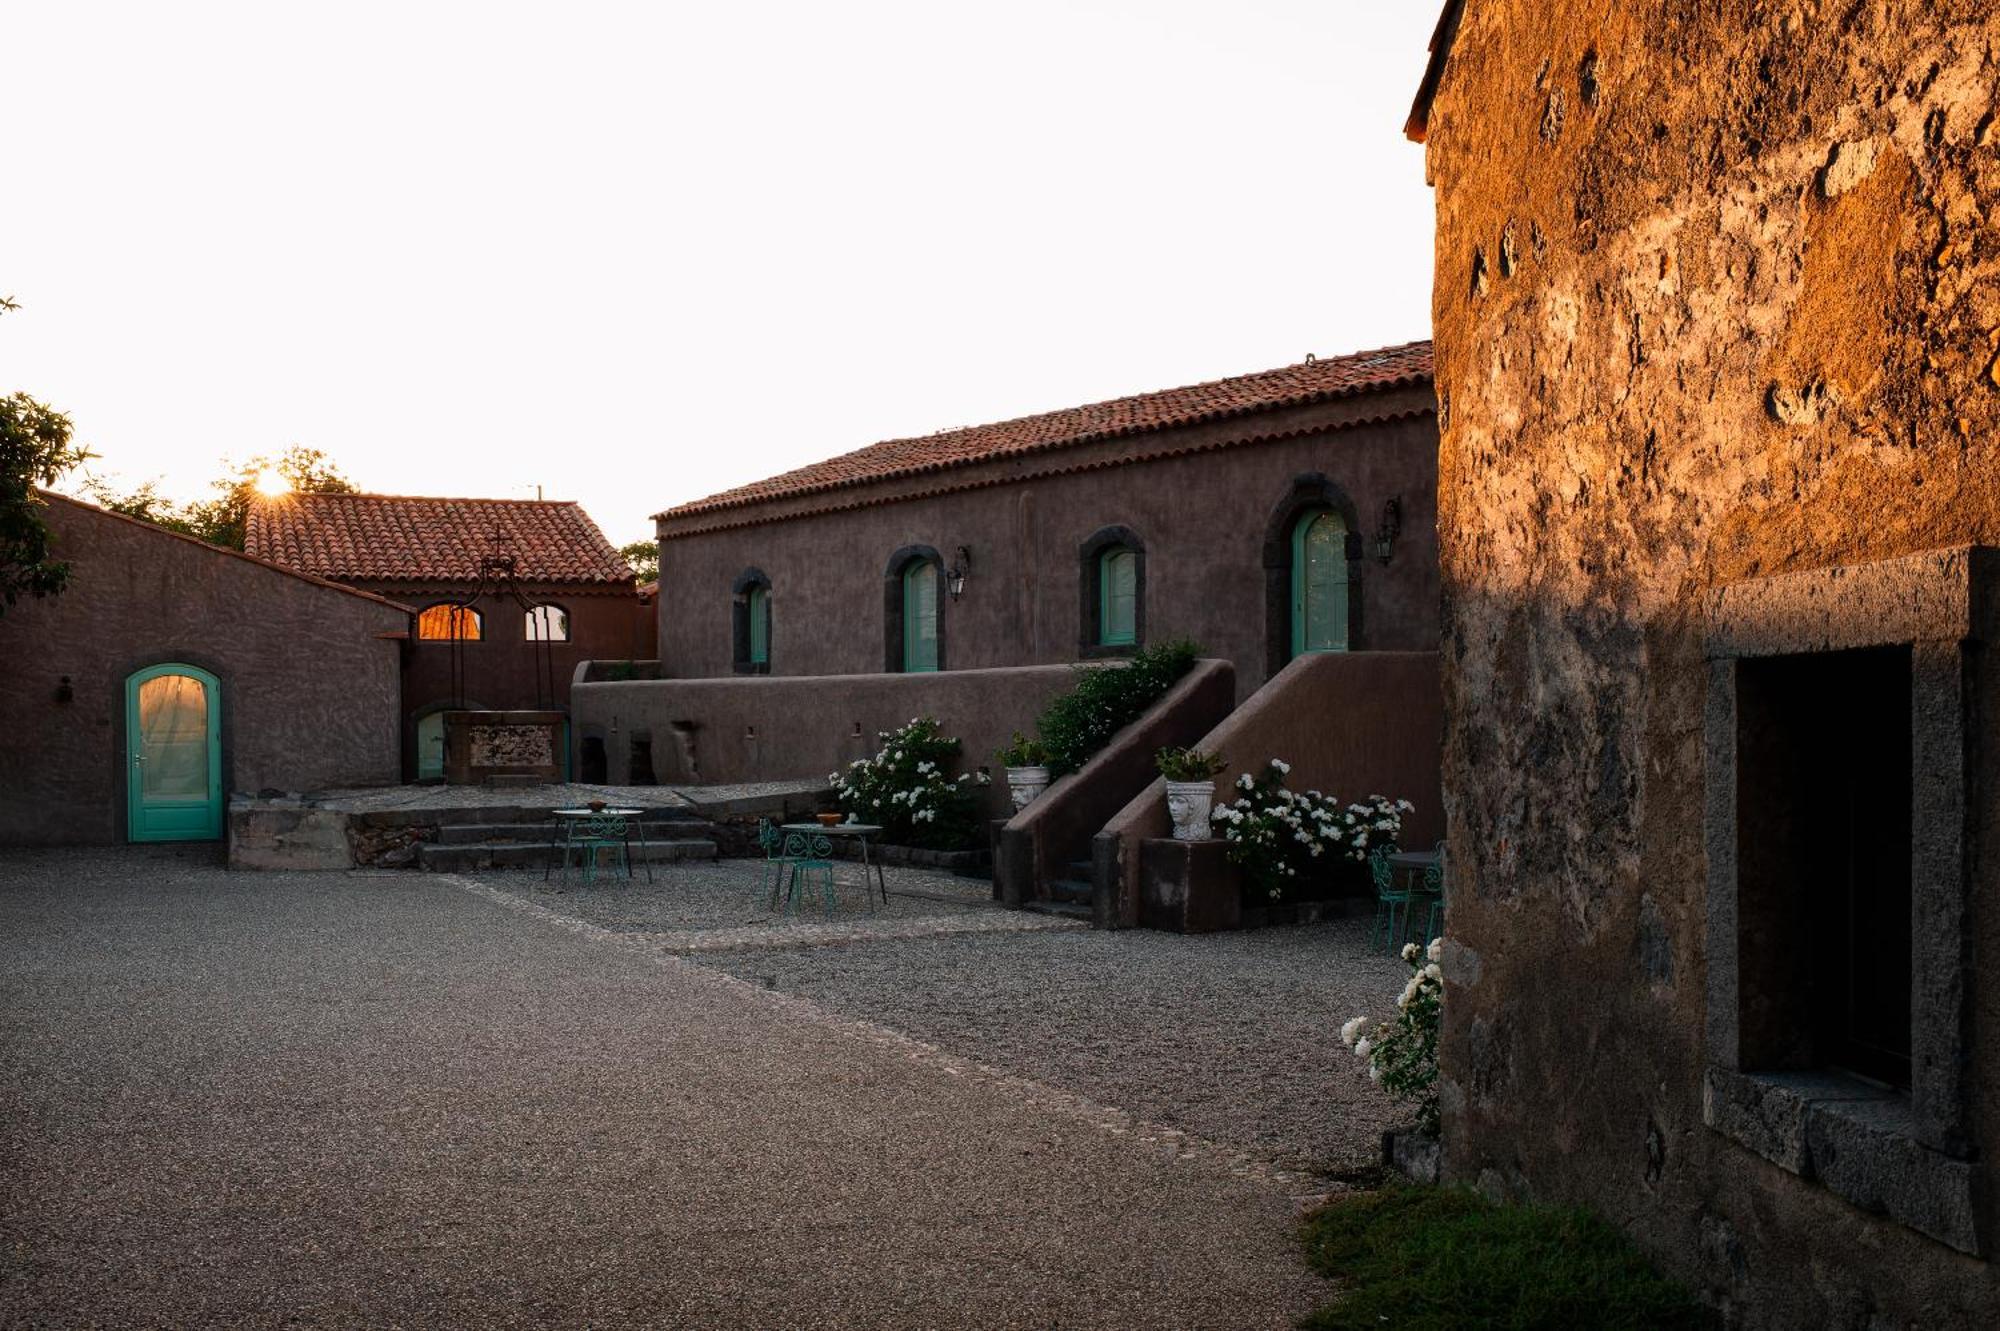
(594, 835)
(808, 857)
(1389, 898)
(772, 842)
(1437, 884)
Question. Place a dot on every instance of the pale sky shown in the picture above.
(638, 253)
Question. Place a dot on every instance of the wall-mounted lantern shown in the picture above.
(1388, 530)
(954, 577)
(65, 692)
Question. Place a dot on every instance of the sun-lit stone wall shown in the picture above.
(1717, 297)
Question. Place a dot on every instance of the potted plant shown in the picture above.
(1027, 764)
(1190, 775)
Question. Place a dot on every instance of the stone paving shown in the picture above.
(378, 1099)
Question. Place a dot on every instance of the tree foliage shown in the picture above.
(220, 520)
(644, 557)
(36, 448)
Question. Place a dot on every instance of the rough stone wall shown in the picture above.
(310, 674)
(1717, 296)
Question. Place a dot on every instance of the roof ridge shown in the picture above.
(1344, 375)
(383, 494)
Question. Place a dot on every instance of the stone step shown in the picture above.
(1068, 910)
(458, 858)
(537, 830)
(1072, 890)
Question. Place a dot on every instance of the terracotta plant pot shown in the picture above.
(596, 806)
(828, 819)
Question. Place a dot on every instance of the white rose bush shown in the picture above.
(1402, 1054)
(1285, 840)
(907, 789)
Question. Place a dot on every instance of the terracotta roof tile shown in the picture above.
(419, 539)
(1292, 385)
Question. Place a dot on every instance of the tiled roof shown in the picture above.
(405, 538)
(1292, 385)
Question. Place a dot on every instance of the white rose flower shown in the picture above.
(1352, 1029)
(1431, 972)
(1435, 952)
(1409, 951)
(1282, 766)
(1362, 1046)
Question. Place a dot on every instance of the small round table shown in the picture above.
(566, 823)
(857, 831)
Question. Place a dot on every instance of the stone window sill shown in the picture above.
(1857, 1140)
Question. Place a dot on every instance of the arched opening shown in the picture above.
(173, 758)
(913, 611)
(750, 623)
(546, 623)
(1111, 572)
(447, 623)
(1319, 583)
(1312, 550)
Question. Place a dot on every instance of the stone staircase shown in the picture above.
(521, 838)
(1069, 895)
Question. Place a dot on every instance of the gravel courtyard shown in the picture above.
(375, 1099)
(1230, 1037)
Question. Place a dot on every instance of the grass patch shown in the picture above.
(1447, 1258)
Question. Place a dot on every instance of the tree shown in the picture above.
(220, 520)
(36, 448)
(644, 557)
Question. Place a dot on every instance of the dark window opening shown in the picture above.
(1824, 840)
(640, 772)
(592, 767)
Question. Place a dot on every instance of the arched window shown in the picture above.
(913, 610)
(443, 623)
(548, 623)
(1319, 582)
(1312, 588)
(750, 622)
(1112, 578)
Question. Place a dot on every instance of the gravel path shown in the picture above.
(236, 1099)
(1231, 1037)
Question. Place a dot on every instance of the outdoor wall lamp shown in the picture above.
(1388, 530)
(65, 692)
(954, 577)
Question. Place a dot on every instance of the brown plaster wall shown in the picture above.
(309, 674)
(500, 668)
(1198, 498)
(1354, 724)
(1717, 296)
(778, 728)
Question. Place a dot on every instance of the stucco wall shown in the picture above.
(1350, 723)
(1201, 506)
(310, 686)
(786, 728)
(1716, 297)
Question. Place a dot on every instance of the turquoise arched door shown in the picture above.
(173, 754)
(1319, 583)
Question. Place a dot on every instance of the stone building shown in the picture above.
(491, 642)
(1262, 516)
(1716, 307)
(170, 673)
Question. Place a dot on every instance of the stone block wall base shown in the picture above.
(1413, 1155)
(276, 836)
(1189, 887)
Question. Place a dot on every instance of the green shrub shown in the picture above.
(1178, 764)
(1446, 1259)
(1021, 751)
(908, 791)
(1107, 698)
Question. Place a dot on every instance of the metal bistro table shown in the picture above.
(569, 822)
(858, 832)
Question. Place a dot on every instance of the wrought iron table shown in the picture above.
(566, 823)
(859, 832)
